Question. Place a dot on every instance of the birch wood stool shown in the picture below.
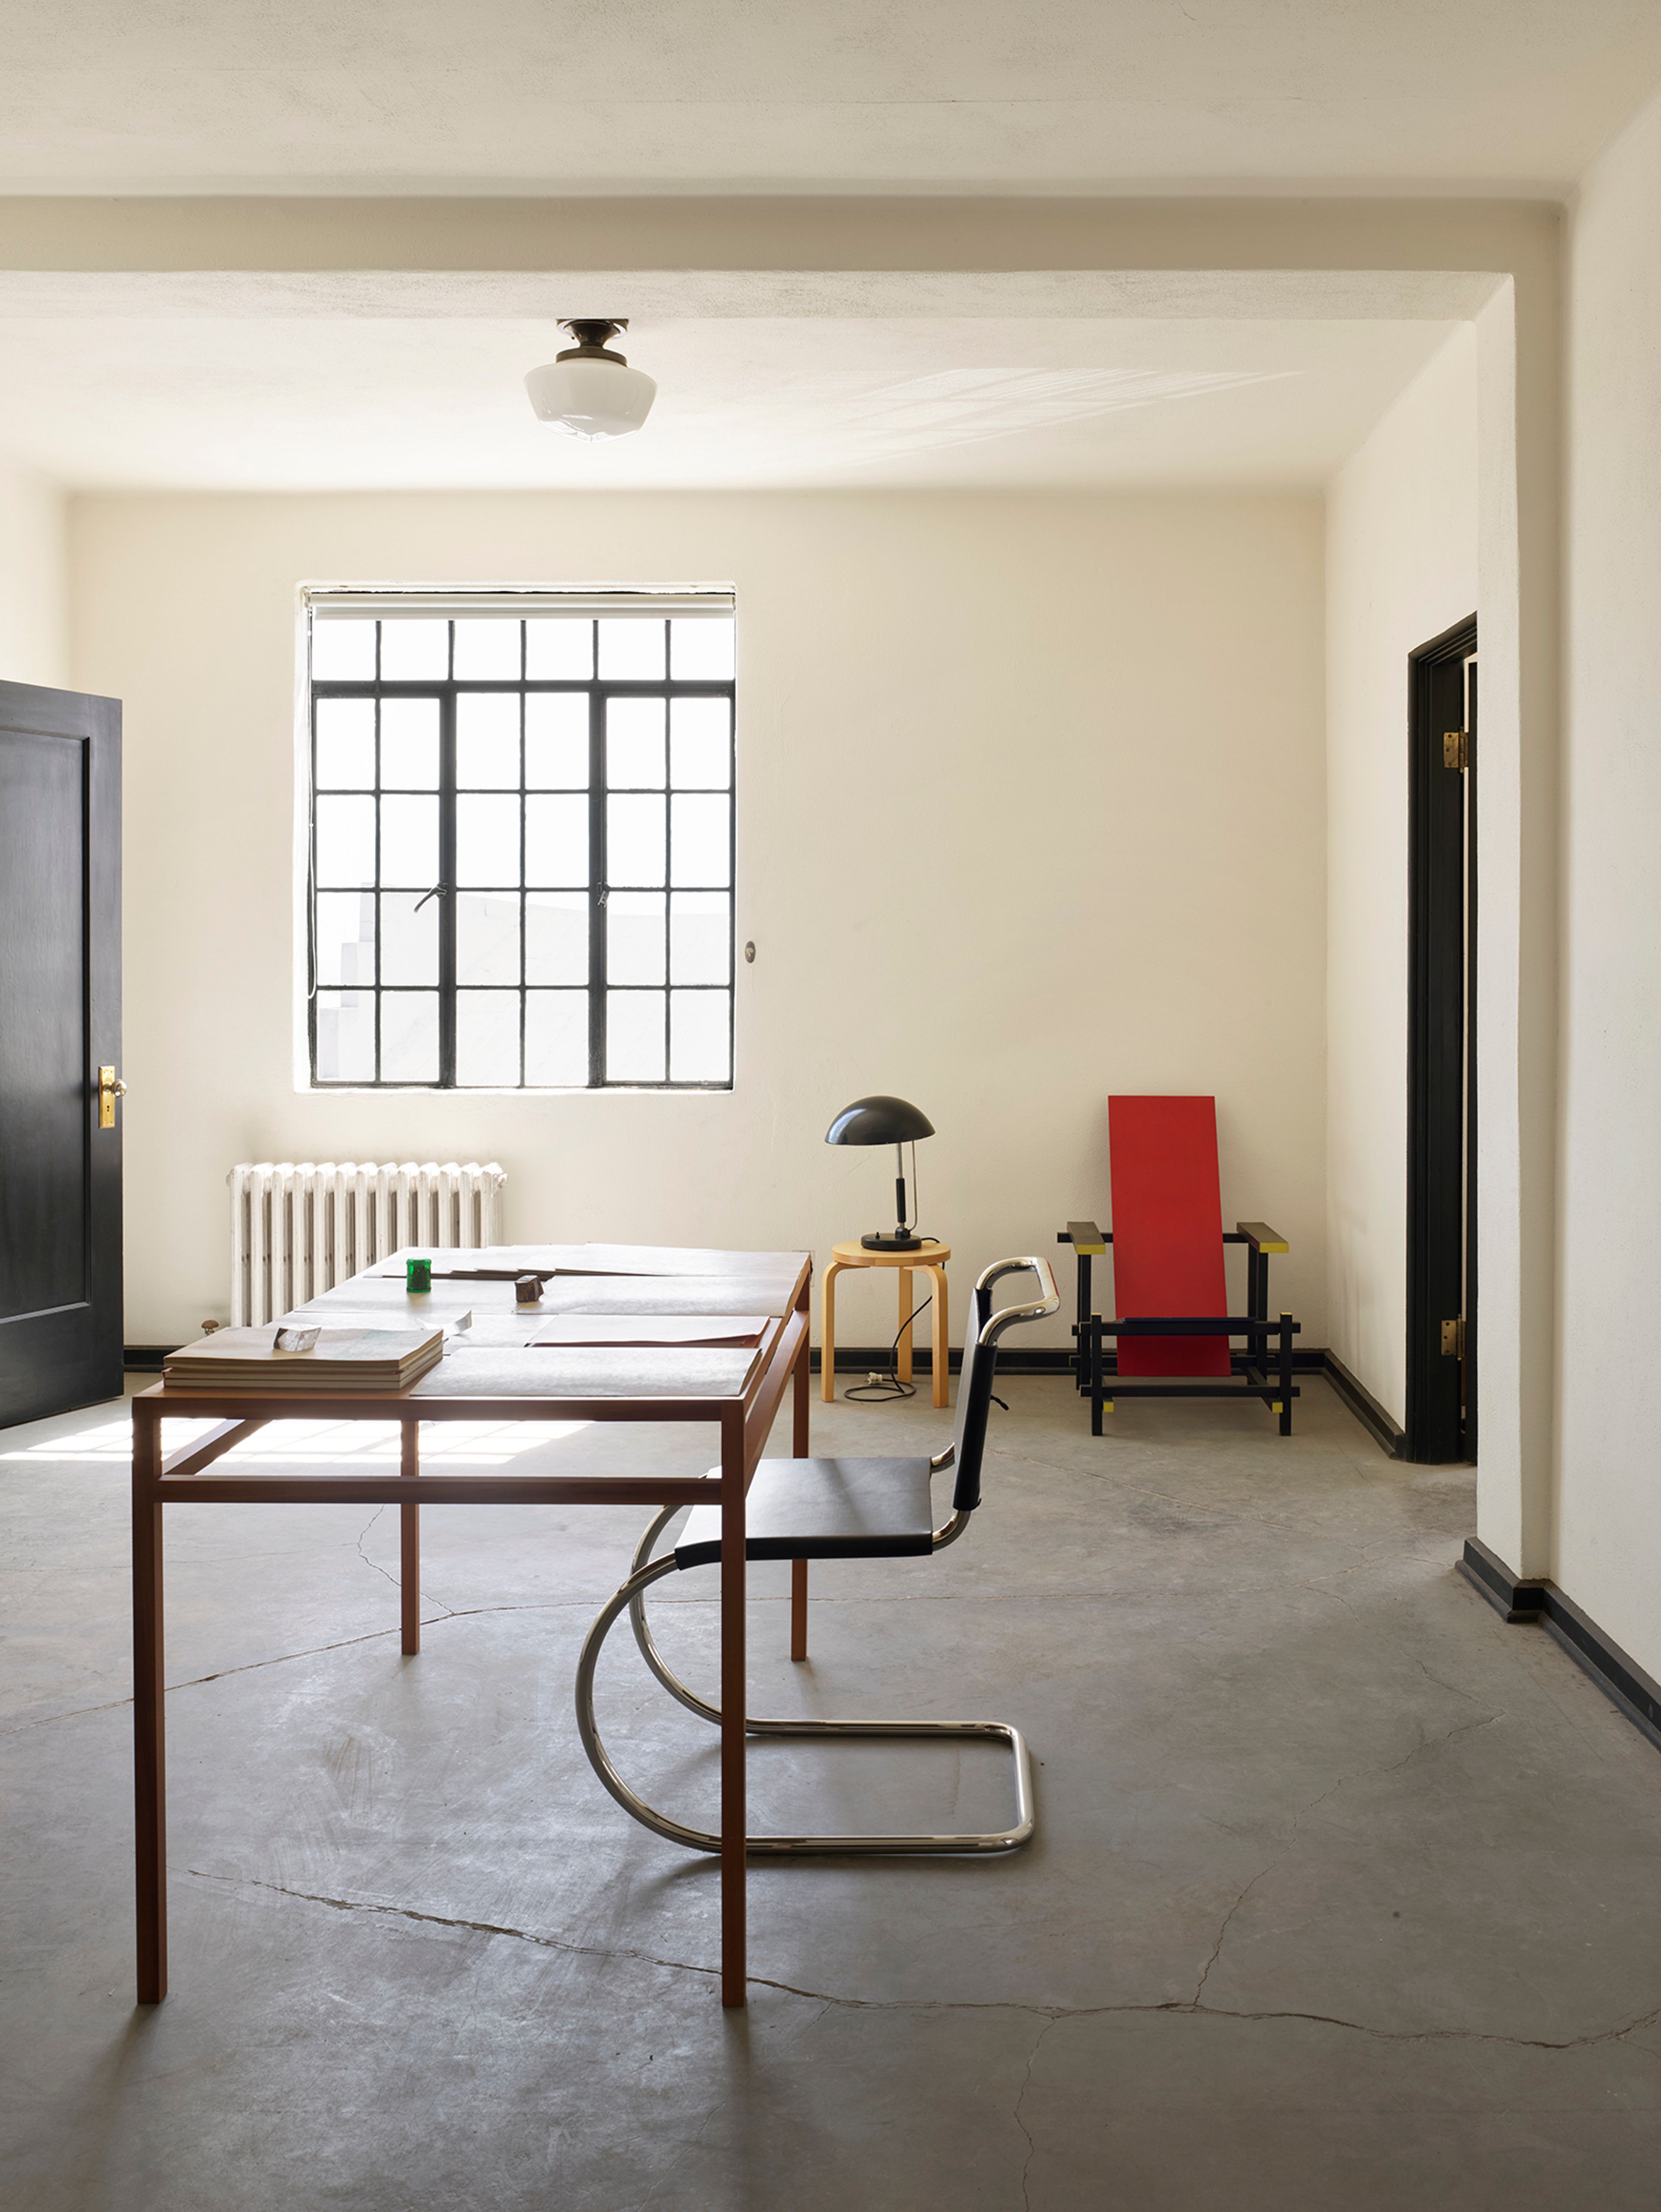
(928, 1260)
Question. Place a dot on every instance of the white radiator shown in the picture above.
(299, 1229)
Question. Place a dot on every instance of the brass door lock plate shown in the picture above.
(110, 1088)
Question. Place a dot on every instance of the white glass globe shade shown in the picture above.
(591, 399)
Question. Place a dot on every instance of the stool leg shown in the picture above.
(828, 1334)
(904, 1275)
(942, 1339)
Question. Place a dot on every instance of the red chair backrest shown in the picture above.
(1168, 1230)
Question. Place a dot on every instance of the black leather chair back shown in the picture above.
(974, 1401)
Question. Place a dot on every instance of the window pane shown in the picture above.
(409, 940)
(487, 1038)
(631, 646)
(700, 828)
(409, 841)
(411, 651)
(634, 743)
(701, 745)
(700, 938)
(701, 648)
(409, 1036)
(555, 841)
(698, 1027)
(343, 651)
(345, 840)
(346, 745)
(557, 740)
(634, 1037)
(634, 937)
(556, 1038)
(634, 836)
(345, 938)
(487, 645)
(487, 939)
(487, 840)
(409, 745)
(487, 739)
(556, 938)
(559, 645)
(346, 1036)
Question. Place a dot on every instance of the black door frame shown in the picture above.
(1441, 1239)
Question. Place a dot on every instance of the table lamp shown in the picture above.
(882, 1120)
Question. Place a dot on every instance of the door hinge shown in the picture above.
(1453, 1338)
(1456, 749)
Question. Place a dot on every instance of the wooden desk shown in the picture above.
(494, 1376)
(927, 1259)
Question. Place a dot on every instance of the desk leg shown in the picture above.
(828, 1333)
(942, 1338)
(799, 1567)
(148, 1736)
(904, 1275)
(409, 1570)
(734, 1817)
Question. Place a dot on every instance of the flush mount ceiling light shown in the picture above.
(587, 392)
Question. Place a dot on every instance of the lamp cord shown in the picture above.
(890, 1385)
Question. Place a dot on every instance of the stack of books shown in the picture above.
(372, 1362)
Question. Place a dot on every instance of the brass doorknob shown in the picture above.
(110, 1088)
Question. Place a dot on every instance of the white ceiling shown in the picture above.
(311, 401)
(586, 95)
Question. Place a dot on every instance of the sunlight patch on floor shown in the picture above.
(457, 1444)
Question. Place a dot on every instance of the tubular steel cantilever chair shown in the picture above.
(834, 1509)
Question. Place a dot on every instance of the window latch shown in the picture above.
(438, 891)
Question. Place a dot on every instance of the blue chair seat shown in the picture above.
(824, 1508)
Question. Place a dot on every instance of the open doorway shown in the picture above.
(1441, 1271)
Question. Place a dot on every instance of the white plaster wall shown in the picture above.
(33, 582)
(1401, 569)
(1606, 1534)
(1030, 808)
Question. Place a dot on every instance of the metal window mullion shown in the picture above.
(375, 895)
(446, 875)
(524, 1000)
(597, 887)
(669, 858)
(311, 919)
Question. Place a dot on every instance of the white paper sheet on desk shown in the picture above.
(630, 1329)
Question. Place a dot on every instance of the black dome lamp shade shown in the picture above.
(883, 1120)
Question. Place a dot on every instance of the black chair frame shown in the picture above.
(1266, 1372)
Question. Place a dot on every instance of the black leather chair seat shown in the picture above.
(824, 1508)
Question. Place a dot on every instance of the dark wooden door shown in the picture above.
(60, 1022)
(1441, 1316)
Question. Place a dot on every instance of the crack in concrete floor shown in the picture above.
(1052, 2014)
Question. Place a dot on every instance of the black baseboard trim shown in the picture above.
(1633, 1692)
(1511, 1598)
(1364, 1406)
(864, 1358)
(146, 1358)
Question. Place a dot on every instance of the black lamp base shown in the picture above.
(894, 1243)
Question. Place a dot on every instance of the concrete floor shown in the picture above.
(1344, 1894)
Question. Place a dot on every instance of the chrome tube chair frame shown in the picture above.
(775, 1479)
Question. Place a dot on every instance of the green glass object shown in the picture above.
(419, 1275)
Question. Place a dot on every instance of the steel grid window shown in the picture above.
(521, 852)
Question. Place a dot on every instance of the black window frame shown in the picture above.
(598, 988)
